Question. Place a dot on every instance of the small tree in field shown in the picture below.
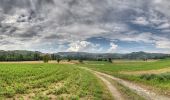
(46, 58)
(80, 60)
(68, 59)
(110, 60)
(58, 60)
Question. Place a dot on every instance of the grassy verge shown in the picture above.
(125, 91)
(159, 83)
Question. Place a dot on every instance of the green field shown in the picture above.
(39, 81)
(47, 81)
(127, 65)
(159, 82)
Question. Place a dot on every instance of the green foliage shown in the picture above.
(9, 92)
(160, 77)
(20, 55)
(80, 60)
(69, 59)
(68, 80)
(110, 60)
(74, 97)
(124, 65)
(58, 60)
(20, 88)
(161, 82)
(127, 93)
(46, 58)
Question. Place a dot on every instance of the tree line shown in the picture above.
(21, 55)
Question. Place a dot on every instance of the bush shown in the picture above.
(58, 60)
(110, 60)
(46, 58)
(80, 60)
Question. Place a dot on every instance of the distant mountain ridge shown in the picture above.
(133, 55)
(24, 55)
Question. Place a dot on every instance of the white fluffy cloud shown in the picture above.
(83, 46)
(163, 44)
(112, 48)
(44, 22)
(141, 21)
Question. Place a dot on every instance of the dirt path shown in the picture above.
(148, 95)
(113, 90)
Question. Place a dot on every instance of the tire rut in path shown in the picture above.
(113, 90)
(148, 95)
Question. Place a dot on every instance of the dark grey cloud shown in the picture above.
(54, 36)
(66, 21)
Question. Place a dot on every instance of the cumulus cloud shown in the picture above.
(141, 21)
(163, 44)
(83, 46)
(112, 48)
(44, 22)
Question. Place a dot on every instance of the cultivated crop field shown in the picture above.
(49, 81)
(154, 75)
(89, 80)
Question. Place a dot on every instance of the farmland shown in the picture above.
(36, 80)
(152, 74)
(49, 81)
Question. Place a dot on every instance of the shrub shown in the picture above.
(80, 60)
(58, 60)
(110, 60)
(46, 58)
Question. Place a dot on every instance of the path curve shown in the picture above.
(149, 95)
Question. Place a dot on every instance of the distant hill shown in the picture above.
(23, 55)
(20, 55)
(144, 55)
(133, 55)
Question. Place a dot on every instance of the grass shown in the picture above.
(125, 92)
(47, 81)
(160, 82)
(40, 81)
(127, 66)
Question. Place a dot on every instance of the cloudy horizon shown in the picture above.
(97, 26)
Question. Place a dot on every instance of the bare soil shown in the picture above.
(147, 94)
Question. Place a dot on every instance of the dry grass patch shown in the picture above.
(158, 71)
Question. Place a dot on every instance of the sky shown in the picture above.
(97, 26)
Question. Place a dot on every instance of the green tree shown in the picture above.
(80, 60)
(21, 57)
(110, 60)
(46, 58)
(53, 57)
(58, 60)
(69, 59)
(36, 56)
